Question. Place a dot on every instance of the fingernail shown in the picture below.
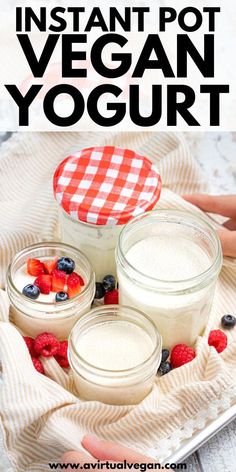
(92, 438)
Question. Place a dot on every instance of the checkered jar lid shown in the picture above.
(106, 185)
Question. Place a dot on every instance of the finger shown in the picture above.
(108, 450)
(75, 457)
(230, 224)
(224, 205)
(228, 242)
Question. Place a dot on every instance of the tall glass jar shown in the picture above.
(99, 190)
(168, 262)
(33, 317)
(114, 353)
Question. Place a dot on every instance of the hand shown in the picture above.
(224, 205)
(104, 451)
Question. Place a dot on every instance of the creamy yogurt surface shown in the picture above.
(168, 258)
(115, 345)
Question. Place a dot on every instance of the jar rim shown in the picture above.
(50, 244)
(194, 281)
(95, 313)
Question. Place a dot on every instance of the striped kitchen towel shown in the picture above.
(40, 417)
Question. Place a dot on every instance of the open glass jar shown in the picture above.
(33, 317)
(98, 191)
(168, 262)
(114, 353)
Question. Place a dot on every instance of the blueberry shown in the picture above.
(164, 368)
(31, 291)
(109, 283)
(61, 296)
(164, 355)
(228, 321)
(66, 264)
(100, 290)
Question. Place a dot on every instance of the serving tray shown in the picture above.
(189, 446)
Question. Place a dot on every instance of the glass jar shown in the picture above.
(33, 317)
(114, 353)
(99, 189)
(168, 262)
(97, 242)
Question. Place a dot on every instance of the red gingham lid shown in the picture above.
(106, 185)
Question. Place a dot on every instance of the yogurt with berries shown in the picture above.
(50, 286)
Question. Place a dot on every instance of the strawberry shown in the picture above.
(58, 280)
(73, 284)
(81, 281)
(50, 265)
(44, 283)
(35, 267)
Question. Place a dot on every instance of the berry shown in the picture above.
(46, 345)
(100, 291)
(38, 365)
(30, 345)
(35, 267)
(109, 283)
(61, 296)
(228, 321)
(44, 283)
(218, 340)
(164, 355)
(81, 281)
(66, 264)
(181, 354)
(164, 368)
(112, 298)
(73, 285)
(50, 266)
(58, 281)
(61, 356)
(31, 291)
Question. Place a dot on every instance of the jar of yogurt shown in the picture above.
(98, 190)
(114, 353)
(168, 262)
(45, 314)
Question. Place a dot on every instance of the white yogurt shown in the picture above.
(116, 345)
(114, 353)
(168, 258)
(163, 259)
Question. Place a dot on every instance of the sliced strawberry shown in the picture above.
(44, 282)
(73, 284)
(81, 280)
(50, 266)
(58, 280)
(35, 267)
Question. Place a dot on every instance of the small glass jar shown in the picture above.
(97, 242)
(179, 305)
(99, 189)
(114, 353)
(33, 317)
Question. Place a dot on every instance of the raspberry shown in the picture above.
(181, 354)
(38, 365)
(30, 345)
(61, 356)
(46, 344)
(111, 298)
(218, 340)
